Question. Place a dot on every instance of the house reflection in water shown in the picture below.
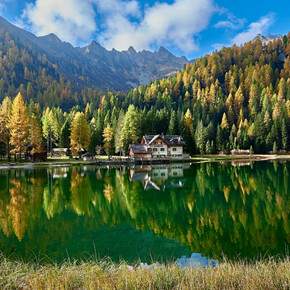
(159, 177)
(60, 172)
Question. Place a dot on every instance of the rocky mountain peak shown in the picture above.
(267, 38)
(131, 50)
(51, 38)
(100, 68)
(163, 51)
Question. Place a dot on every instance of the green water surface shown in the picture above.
(152, 213)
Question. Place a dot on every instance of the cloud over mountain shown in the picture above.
(254, 28)
(123, 23)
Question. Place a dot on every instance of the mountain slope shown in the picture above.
(94, 66)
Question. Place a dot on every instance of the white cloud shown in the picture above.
(161, 24)
(261, 26)
(231, 23)
(71, 20)
(122, 22)
(3, 7)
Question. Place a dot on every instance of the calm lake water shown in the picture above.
(187, 213)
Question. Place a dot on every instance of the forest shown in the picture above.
(235, 98)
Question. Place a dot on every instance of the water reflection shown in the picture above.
(159, 177)
(146, 213)
(195, 260)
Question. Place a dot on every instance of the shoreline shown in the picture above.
(124, 161)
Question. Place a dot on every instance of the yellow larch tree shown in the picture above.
(108, 137)
(19, 125)
(224, 123)
(5, 111)
(80, 133)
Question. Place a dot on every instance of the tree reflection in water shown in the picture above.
(170, 211)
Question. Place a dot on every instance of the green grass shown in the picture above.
(253, 157)
(266, 274)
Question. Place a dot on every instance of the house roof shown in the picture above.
(171, 140)
(88, 154)
(139, 148)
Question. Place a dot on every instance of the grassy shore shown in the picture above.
(267, 274)
(65, 161)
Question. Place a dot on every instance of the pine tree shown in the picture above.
(120, 124)
(275, 148)
(284, 135)
(35, 136)
(188, 134)
(51, 128)
(64, 141)
(80, 133)
(131, 128)
(172, 128)
(201, 138)
(18, 124)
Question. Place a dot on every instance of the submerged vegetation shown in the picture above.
(265, 274)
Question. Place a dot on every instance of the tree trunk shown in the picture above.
(20, 153)
(50, 143)
(8, 149)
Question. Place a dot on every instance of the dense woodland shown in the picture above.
(235, 98)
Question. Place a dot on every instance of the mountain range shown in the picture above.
(94, 66)
(267, 38)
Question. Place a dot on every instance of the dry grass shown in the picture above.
(267, 274)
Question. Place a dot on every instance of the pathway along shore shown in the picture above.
(129, 161)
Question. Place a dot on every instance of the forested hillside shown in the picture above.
(236, 98)
(23, 70)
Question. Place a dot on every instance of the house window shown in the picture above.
(162, 149)
(154, 149)
(174, 149)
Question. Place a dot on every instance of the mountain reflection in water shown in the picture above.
(160, 212)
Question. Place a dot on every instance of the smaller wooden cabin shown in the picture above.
(139, 151)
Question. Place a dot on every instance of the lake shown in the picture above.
(191, 213)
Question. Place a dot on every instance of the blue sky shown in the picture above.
(185, 27)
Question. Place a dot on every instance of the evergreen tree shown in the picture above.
(172, 128)
(201, 138)
(35, 136)
(118, 140)
(64, 141)
(284, 134)
(131, 128)
(188, 134)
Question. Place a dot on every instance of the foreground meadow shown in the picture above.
(265, 274)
